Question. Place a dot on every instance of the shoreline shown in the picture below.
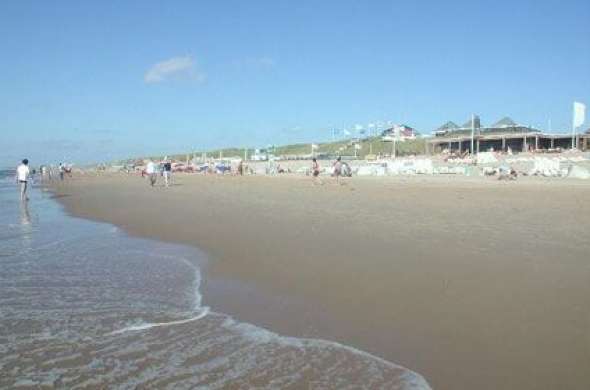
(131, 316)
(308, 256)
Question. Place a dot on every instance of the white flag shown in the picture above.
(579, 114)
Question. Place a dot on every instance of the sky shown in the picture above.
(94, 81)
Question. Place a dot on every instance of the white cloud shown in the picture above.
(256, 63)
(177, 68)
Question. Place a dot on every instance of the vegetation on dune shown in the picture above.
(372, 145)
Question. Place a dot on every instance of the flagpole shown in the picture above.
(574, 127)
(573, 135)
(472, 132)
(578, 120)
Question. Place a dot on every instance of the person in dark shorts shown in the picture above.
(167, 172)
(22, 176)
(62, 171)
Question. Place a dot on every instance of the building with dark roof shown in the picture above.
(447, 127)
(502, 135)
(400, 131)
(504, 123)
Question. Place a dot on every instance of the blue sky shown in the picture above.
(92, 81)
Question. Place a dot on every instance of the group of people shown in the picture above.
(50, 172)
(152, 170)
(24, 175)
(340, 169)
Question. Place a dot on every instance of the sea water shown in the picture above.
(83, 305)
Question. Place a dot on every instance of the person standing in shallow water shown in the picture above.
(22, 177)
(62, 171)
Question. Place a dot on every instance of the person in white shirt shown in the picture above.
(62, 171)
(150, 169)
(22, 176)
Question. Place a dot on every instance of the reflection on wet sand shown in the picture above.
(26, 227)
(84, 305)
(25, 215)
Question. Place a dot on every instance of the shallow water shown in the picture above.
(84, 305)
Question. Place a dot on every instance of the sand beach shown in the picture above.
(471, 282)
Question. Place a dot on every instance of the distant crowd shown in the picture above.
(165, 168)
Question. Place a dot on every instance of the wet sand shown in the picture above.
(473, 283)
(84, 305)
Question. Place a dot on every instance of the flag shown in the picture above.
(314, 146)
(579, 114)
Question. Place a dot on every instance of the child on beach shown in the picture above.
(338, 169)
(315, 171)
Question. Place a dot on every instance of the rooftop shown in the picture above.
(504, 125)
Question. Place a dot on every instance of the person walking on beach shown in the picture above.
(167, 172)
(338, 169)
(315, 171)
(22, 176)
(150, 170)
(241, 168)
(62, 171)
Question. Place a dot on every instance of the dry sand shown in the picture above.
(473, 283)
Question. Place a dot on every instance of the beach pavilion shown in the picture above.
(502, 135)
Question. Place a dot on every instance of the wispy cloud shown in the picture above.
(257, 63)
(177, 68)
